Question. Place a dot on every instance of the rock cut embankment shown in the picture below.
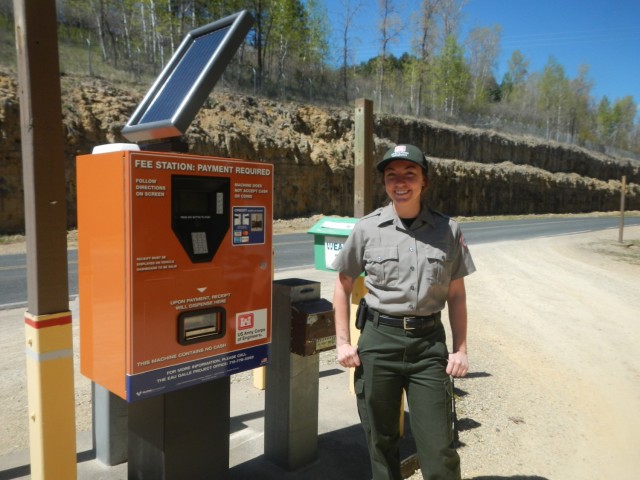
(474, 172)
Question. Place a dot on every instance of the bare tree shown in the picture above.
(262, 30)
(349, 12)
(483, 47)
(390, 26)
(424, 46)
(451, 13)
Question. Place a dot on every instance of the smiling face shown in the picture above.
(404, 182)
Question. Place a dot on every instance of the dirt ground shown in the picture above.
(554, 325)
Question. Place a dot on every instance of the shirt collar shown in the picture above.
(389, 216)
(426, 216)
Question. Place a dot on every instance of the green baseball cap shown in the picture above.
(407, 152)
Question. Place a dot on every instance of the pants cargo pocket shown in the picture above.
(451, 408)
(358, 386)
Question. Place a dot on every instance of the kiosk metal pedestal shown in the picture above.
(181, 434)
(302, 323)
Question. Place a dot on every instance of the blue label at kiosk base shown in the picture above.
(176, 377)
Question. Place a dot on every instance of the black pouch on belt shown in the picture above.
(361, 314)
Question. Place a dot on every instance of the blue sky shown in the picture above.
(604, 34)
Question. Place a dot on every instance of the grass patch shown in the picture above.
(11, 239)
(627, 251)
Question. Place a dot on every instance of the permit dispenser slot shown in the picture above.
(200, 214)
(201, 325)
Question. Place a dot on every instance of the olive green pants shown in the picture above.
(393, 360)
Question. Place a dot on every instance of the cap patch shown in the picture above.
(400, 151)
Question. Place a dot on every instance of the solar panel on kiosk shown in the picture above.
(180, 81)
(182, 87)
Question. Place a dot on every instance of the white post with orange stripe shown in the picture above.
(49, 349)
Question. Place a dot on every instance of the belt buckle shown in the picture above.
(404, 323)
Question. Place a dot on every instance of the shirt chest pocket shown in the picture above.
(436, 266)
(381, 265)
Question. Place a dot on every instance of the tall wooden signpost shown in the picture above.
(48, 319)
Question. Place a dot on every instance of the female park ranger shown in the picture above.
(415, 260)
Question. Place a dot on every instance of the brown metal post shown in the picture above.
(363, 150)
(48, 333)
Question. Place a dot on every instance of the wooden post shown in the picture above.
(49, 346)
(623, 192)
(362, 196)
(363, 152)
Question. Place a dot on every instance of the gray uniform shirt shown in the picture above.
(408, 271)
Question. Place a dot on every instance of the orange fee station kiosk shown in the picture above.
(175, 274)
(175, 269)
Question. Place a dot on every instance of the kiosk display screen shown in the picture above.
(193, 202)
(200, 214)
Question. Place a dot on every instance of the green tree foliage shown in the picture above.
(615, 122)
(604, 120)
(289, 32)
(287, 54)
(552, 99)
(581, 119)
(514, 81)
(623, 115)
(316, 51)
(451, 78)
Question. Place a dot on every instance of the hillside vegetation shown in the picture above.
(292, 54)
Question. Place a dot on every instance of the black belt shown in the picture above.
(406, 323)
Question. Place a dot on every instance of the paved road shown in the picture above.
(488, 232)
(296, 250)
(293, 251)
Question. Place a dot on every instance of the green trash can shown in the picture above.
(330, 233)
